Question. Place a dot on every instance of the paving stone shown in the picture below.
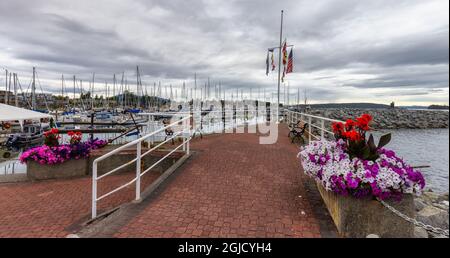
(251, 189)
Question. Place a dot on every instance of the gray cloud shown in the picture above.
(340, 46)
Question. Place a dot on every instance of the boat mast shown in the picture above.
(62, 89)
(33, 90)
(74, 82)
(114, 90)
(137, 87)
(92, 92)
(195, 86)
(122, 89)
(16, 100)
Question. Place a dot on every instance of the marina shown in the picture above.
(165, 124)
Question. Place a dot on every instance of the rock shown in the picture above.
(441, 206)
(439, 236)
(430, 197)
(443, 197)
(419, 204)
(420, 232)
(433, 216)
(372, 236)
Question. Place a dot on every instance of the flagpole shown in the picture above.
(279, 69)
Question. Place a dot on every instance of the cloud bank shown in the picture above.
(345, 51)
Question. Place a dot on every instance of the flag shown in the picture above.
(284, 74)
(273, 62)
(284, 52)
(267, 64)
(290, 65)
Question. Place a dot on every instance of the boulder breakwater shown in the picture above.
(391, 118)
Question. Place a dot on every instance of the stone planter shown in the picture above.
(359, 217)
(68, 169)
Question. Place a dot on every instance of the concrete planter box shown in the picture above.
(68, 169)
(359, 217)
(83, 167)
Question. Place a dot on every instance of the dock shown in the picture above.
(231, 186)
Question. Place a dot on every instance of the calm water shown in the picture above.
(424, 147)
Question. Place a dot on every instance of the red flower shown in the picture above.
(363, 122)
(338, 127)
(349, 124)
(353, 135)
(367, 117)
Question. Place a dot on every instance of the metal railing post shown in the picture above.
(309, 129)
(94, 190)
(184, 136)
(188, 135)
(138, 170)
(322, 128)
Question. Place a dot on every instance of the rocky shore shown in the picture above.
(431, 209)
(391, 118)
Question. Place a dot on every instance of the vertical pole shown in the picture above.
(74, 82)
(188, 149)
(279, 68)
(322, 128)
(309, 129)
(92, 124)
(184, 135)
(33, 90)
(137, 86)
(114, 91)
(16, 99)
(92, 92)
(138, 170)
(94, 190)
(6, 87)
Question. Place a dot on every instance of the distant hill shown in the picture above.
(414, 107)
(442, 107)
(347, 105)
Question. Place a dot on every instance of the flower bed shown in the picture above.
(388, 176)
(353, 165)
(52, 153)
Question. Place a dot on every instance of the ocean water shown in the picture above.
(429, 147)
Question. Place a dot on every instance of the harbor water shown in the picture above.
(424, 147)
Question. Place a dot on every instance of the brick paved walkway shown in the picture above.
(56, 208)
(233, 187)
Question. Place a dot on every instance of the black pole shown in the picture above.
(92, 125)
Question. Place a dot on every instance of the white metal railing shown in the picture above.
(213, 121)
(294, 117)
(185, 133)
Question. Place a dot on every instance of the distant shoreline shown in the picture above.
(363, 105)
(390, 118)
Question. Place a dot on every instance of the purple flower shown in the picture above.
(59, 154)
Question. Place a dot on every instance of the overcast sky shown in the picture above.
(345, 50)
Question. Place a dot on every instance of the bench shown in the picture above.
(168, 131)
(297, 130)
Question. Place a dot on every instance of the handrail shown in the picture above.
(298, 116)
(185, 133)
